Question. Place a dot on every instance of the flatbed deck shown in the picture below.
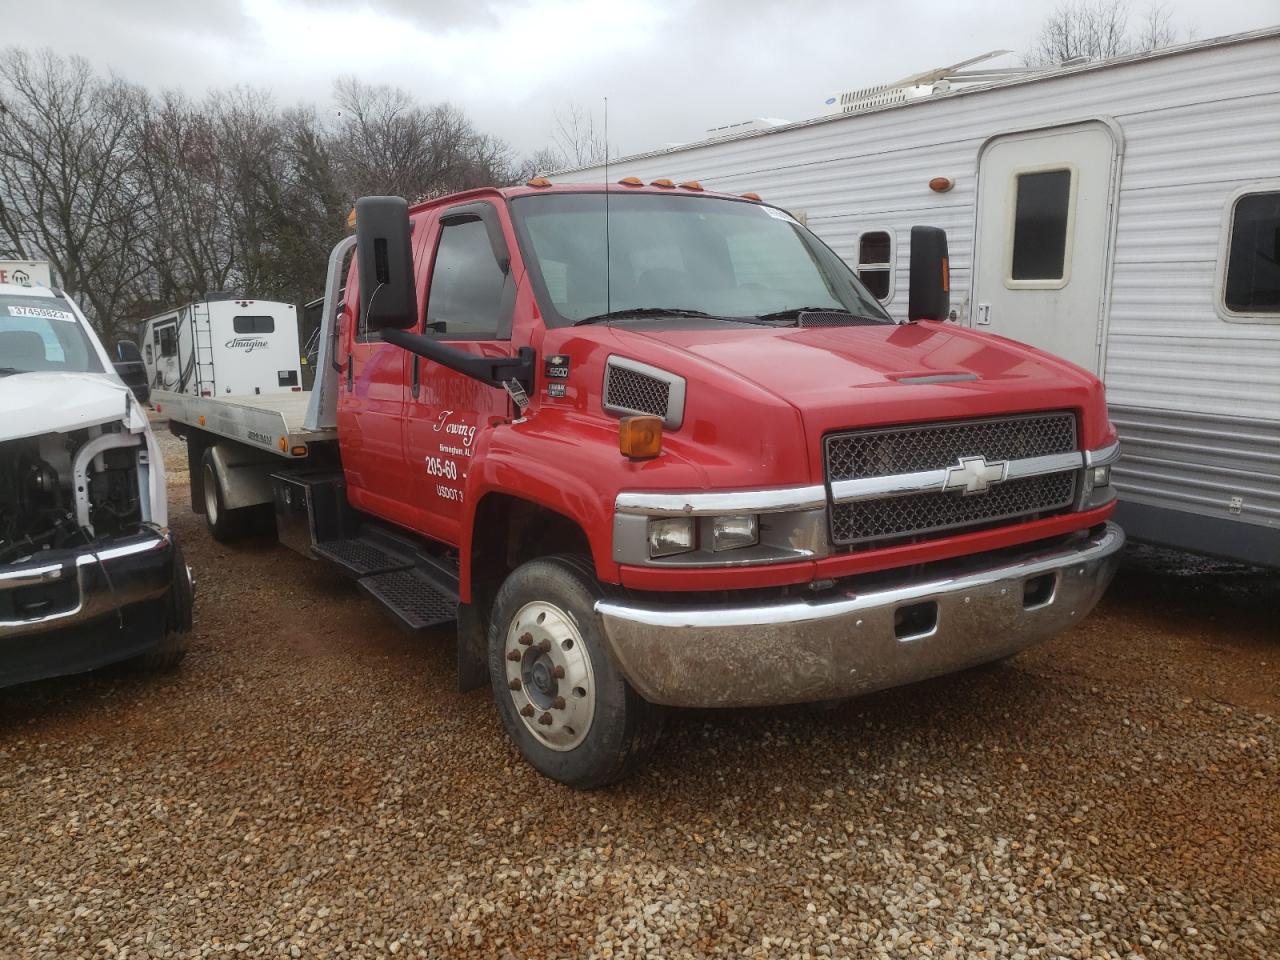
(272, 422)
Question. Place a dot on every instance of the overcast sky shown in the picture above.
(670, 69)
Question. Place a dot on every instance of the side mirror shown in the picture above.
(383, 251)
(131, 369)
(930, 297)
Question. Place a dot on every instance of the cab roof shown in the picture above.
(18, 290)
(524, 190)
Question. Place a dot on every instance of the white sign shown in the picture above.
(42, 313)
(25, 273)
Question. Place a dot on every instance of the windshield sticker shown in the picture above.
(780, 215)
(42, 313)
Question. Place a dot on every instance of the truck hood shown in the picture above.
(862, 376)
(52, 402)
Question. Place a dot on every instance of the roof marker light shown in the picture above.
(631, 182)
(663, 182)
(539, 182)
(751, 196)
(691, 185)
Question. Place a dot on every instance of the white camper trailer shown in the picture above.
(1124, 214)
(213, 348)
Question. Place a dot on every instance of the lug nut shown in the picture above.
(514, 684)
(525, 639)
(513, 655)
(545, 719)
(544, 645)
(527, 710)
(558, 672)
(557, 703)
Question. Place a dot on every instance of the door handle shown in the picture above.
(416, 379)
(350, 365)
(983, 315)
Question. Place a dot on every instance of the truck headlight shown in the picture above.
(733, 532)
(669, 536)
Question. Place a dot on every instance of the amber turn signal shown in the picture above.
(640, 438)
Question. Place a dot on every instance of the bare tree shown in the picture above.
(70, 190)
(1098, 29)
(576, 138)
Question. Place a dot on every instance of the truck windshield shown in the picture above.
(42, 333)
(679, 254)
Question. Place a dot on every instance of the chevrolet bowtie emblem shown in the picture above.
(974, 475)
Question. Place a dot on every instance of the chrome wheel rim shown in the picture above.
(549, 675)
(210, 496)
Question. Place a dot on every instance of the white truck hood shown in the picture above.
(54, 402)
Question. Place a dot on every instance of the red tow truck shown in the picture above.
(653, 446)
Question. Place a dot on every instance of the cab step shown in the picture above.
(360, 557)
(413, 596)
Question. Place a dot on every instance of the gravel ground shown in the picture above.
(309, 785)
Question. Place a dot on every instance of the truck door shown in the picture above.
(164, 347)
(468, 302)
(1045, 208)
(371, 410)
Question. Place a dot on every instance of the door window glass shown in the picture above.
(875, 265)
(254, 324)
(1041, 214)
(466, 284)
(1253, 259)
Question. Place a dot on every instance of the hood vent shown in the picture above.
(828, 318)
(631, 388)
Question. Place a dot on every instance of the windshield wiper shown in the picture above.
(6, 371)
(793, 313)
(665, 312)
(642, 312)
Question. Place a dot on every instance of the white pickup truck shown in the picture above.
(89, 572)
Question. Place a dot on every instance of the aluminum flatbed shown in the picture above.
(272, 422)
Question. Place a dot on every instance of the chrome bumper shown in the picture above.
(64, 588)
(979, 610)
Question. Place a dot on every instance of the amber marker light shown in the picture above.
(946, 274)
(284, 445)
(941, 184)
(299, 451)
(539, 182)
(691, 185)
(201, 418)
(631, 182)
(662, 182)
(755, 197)
(640, 438)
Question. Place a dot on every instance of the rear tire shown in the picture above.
(226, 526)
(178, 604)
(562, 699)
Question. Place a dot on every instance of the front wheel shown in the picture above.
(560, 695)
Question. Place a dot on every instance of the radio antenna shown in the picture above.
(608, 265)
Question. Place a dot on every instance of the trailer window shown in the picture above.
(1042, 214)
(254, 324)
(1252, 286)
(168, 341)
(875, 263)
(465, 295)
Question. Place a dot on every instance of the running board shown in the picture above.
(417, 586)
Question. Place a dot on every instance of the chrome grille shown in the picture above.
(636, 392)
(934, 446)
(894, 518)
(937, 446)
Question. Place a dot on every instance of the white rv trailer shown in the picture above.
(1124, 214)
(213, 348)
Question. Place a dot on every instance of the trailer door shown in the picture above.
(1045, 203)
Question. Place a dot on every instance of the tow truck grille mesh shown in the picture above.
(895, 518)
(636, 392)
(935, 446)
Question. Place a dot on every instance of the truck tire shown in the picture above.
(559, 693)
(178, 603)
(227, 526)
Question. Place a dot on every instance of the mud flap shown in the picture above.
(473, 649)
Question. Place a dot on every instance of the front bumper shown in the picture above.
(64, 588)
(965, 613)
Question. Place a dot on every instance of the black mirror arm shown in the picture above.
(495, 371)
